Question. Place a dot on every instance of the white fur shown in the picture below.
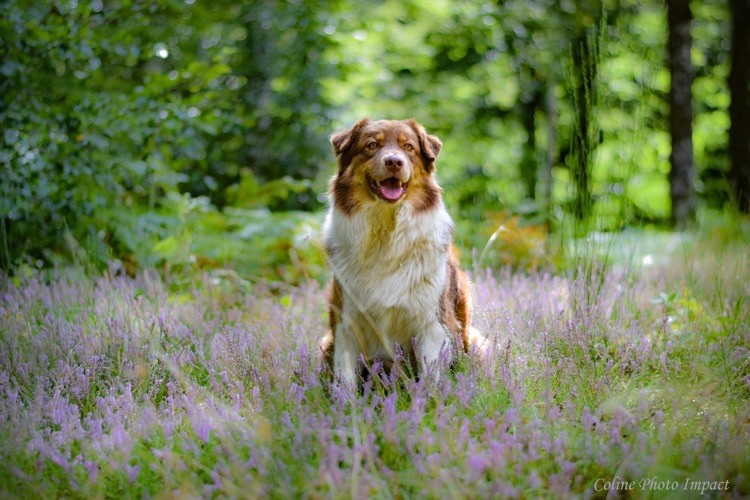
(391, 266)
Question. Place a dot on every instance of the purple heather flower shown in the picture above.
(476, 462)
(202, 429)
(132, 472)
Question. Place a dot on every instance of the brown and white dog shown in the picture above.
(396, 276)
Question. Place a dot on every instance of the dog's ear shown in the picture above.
(346, 138)
(428, 144)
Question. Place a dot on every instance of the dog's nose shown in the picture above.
(393, 162)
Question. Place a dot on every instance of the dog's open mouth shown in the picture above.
(390, 189)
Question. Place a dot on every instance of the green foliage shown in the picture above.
(96, 116)
(112, 111)
(189, 234)
(283, 58)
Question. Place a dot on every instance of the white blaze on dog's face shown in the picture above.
(387, 162)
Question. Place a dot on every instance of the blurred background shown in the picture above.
(193, 135)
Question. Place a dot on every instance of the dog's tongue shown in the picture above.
(391, 189)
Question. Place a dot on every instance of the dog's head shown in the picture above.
(385, 161)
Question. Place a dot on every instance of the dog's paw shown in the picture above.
(481, 346)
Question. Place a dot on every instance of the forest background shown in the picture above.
(163, 175)
(193, 135)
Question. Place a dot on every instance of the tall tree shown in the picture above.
(682, 171)
(530, 103)
(524, 39)
(739, 108)
(585, 67)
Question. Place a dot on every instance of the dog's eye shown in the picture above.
(372, 144)
(408, 147)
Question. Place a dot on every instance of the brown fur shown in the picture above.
(351, 189)
(335, 303)
(455, 309)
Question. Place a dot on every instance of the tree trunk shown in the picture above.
(682, 171)
(739, 108)
(529, 169)
(585, 67)
(550, 105)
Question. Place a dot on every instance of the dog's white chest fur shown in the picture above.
(391, 266)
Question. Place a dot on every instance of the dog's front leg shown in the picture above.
(345, 356)
(430, 345)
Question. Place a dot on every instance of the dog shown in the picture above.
(389, 241)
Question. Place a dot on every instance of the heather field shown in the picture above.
(632, 378)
